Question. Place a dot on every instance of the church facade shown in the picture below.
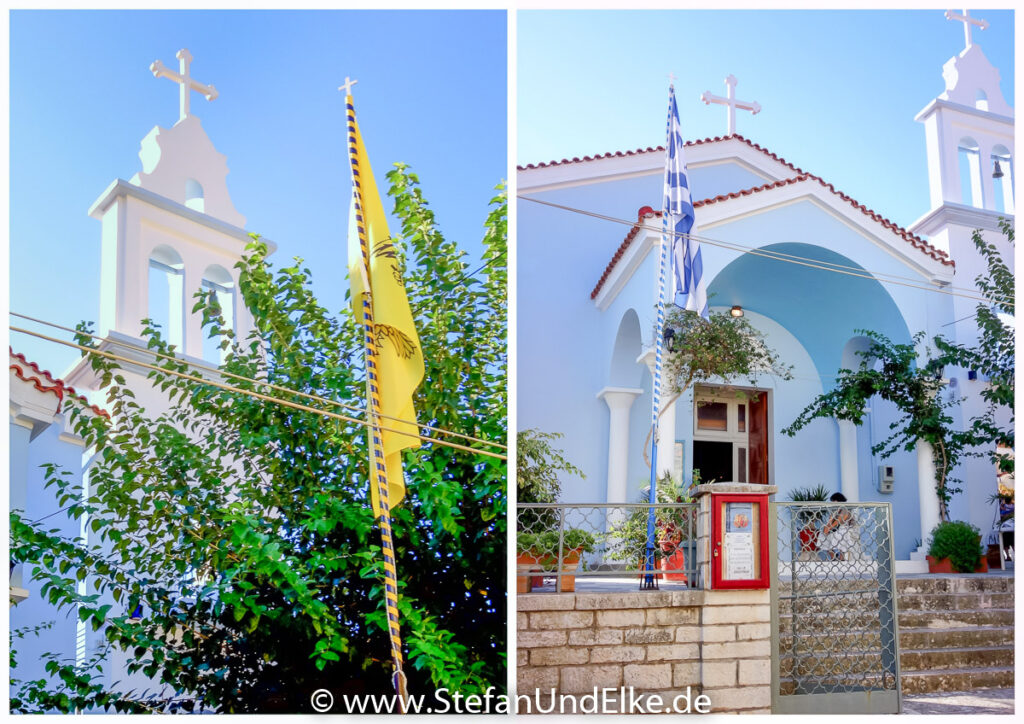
(585, 336)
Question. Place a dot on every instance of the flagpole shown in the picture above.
(649, 581)
(376, 447)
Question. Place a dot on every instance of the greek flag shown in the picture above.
(689, 289)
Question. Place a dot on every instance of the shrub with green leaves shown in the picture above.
(243, 529)
(959, 542)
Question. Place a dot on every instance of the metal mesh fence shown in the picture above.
(836, 609)
(556, 543)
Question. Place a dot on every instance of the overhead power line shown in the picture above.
(788, 258)
(270, 385)
(257, 395)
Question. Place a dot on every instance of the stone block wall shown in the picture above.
(658, 642)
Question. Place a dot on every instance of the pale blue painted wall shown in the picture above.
(565, 344)
(27, 479)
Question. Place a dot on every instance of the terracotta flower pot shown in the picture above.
(570, 562)
(675, 562)
(525, 563)
(945, 565)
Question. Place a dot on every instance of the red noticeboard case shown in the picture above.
(739, 541)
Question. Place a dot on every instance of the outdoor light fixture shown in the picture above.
(670, 339)
(997, 172)
(736, 311)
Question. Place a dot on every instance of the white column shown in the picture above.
(987, 182)
(20, 433)
(848, 474)
(667, 440)
(666, 420)
(619, 401)
(928, 498)
(194, 334)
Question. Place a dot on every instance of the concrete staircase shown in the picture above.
(956, 632)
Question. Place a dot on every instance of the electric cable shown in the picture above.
(778, 256)
(279, 388)
(257, 395)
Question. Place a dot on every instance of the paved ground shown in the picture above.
(980, 701)
(605, 583)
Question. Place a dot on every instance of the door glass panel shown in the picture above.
(742, 417)
(712, 416)
(741, 464)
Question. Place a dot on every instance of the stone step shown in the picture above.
(956, 619)
(911, 639)
(834, 641)
(835, 683)
(940, 659)
(948, 638)
(831, 665)
(973, 601)
(966, 679)
(957, 583)
(837, 661)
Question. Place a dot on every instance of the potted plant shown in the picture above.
(808, 519)
(956, 547)
(674, 530)
(542, 550)
(526, 562)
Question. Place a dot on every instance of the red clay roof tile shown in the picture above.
(43, 381)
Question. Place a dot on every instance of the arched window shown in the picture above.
(1004, 185)
(981, 100)
(218, 280)
(194, 195)
(970, 173)
(166, 293)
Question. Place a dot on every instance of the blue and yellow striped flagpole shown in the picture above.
(648, 579)
(377, 466)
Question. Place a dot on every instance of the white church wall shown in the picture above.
(561, 361)
(51, 444)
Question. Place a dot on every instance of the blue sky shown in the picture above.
(431, 93)
(839, 89)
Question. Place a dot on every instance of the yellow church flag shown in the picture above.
(395, 368)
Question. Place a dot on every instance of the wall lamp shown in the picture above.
(736, 311)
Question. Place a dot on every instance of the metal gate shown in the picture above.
(835, 643)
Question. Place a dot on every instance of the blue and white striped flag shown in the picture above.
(689, 290)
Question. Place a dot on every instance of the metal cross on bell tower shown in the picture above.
(968, 21)
(185, 81)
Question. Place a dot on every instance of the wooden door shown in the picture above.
(758, 439)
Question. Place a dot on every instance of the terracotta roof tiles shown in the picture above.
(661, 149)
(43, 381)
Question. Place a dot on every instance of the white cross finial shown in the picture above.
(347, 85)
(730, 102)
(671, 79)
(184, 80)
(968, 21)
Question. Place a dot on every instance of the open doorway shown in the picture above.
(730, 436)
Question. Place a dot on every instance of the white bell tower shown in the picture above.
(968, 129)
(167, 233)
(971, 169)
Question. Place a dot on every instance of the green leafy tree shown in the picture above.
(721, 349)
(891, 371)
(993, 355)
(232, 549)
(538, 464)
